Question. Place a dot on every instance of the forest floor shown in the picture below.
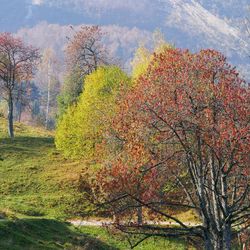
(38, 189)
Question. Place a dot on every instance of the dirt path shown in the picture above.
(79, 223)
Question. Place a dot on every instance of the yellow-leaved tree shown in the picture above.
(143, 56)
(83, 125)
(140, 62)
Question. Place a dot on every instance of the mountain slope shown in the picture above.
(192, 24)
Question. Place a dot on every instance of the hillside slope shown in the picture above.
(38, 190)
(35, 178)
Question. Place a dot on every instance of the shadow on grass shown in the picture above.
(31, 146)
(45, 234)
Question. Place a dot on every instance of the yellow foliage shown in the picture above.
(143, 56)
(83, 125)
(140, 62)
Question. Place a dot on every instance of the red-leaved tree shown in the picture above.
(183, 133)
(17, 63)
(85, 50)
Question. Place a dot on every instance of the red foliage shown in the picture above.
(85, 50)
(17, 60)
(186, 108)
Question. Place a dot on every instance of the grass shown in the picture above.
(35, 179)
(38, 189)
(45, 234)
(36, 234)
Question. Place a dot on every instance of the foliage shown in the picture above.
(71, 90)
(84, 53)
(143, 56)
(186, 122)
(81, 127)
(17, 63)
(140, 62)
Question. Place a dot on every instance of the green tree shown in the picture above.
(83, 125)
(70, 92)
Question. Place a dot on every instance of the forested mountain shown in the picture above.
(185, 23)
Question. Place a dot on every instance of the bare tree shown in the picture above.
(84, 53)
(22, 98)
(47, 76)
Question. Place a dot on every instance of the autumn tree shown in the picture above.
(48, 79)
(140, 61)
(84, 53)
(22, 98)
(184, 131)
(17, 62)
(85, 50)
(82, 126)
(143, 56)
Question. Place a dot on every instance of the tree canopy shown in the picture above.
(187, 123)
(84, 53)
(81, 128)
(17, 63)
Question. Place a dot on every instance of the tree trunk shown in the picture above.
(48, 106)
(227, 237)
(217, 241)
(19, 116)
(139, 215)
(20, 112)
(207, 241)
(214, 240)
(10, 116)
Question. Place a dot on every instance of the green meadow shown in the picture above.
(39, 192)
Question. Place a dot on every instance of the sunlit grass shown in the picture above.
(39, 190)
(35, 178)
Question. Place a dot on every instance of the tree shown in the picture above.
(185, 133)
(84, 53)
(48, 78)
(140, 61)
(22, 97)
(17, 63)
(81, 128)
(144, 56)
(27, 99)
(34, 100)
(70, 92)
(85, 50)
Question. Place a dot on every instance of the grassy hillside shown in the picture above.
(43, 234)
(35, 179)
(38, 189)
